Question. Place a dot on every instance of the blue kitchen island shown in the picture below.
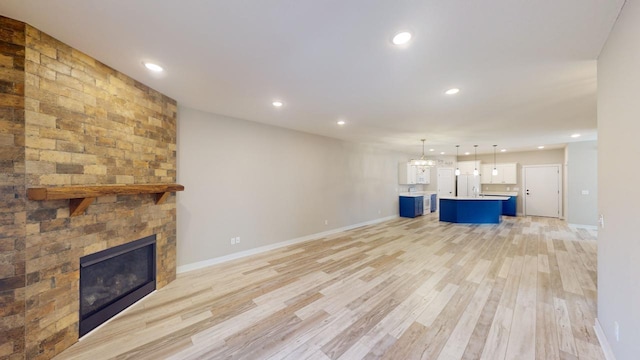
(472, 210)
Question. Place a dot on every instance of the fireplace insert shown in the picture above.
(113, 279)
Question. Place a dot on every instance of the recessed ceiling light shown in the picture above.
(153, 67)
(432, 150)
(467, 153)
(503, 150)
(575, 136)
(341, 122)
(541, 147)
(277, 103)
(452, 91)
(402, 38)
(441, 152)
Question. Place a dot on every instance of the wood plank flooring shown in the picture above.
(402, 289)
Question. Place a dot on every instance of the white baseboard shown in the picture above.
(261, 249)
(580, 226)
(604, 343)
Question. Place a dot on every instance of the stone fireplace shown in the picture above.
(67, 119)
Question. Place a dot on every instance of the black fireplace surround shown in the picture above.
(113, 279)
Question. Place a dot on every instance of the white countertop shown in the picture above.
(412, 194)
(500, 193)
(416, 193)
(474, 198)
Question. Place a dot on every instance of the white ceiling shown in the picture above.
(526, 69)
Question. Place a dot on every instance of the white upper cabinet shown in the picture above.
(485, 174)
(467, 167)
(423, 175)
(411, 175)
(406, 174)
(507, 174)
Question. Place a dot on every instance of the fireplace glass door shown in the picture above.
(113, 279)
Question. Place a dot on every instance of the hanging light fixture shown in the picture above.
(457, 172)
(494, 172)
(475, 162)
(423, 161)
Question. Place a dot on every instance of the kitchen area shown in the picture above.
(468, 202)
(416, 201)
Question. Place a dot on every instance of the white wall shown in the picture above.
(618, 194)
(268, 185)
(582, 176)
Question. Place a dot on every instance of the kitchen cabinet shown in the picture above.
(423, 175)
(507, 174)
(509, 206)
(467, 167)
(406, 174)
(411, 206)
(411, 175)
(485, 174)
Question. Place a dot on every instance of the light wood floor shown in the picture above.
(403, 289)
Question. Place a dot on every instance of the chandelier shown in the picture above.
(423, 161)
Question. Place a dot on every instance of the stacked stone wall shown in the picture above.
(73, 121)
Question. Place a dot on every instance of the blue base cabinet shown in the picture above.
(509, 206)
(411, 206)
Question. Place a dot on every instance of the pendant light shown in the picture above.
(457, 172)
(494, 172)
(423, 161)
(475, 162)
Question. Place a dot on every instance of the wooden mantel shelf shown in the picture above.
(80, 197)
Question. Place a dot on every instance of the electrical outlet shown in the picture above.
(233, 241)
(616, 327)
(238, 240)
(601, 221)
(326, 222)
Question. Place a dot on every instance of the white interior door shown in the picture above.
(542, 190)
(445, 182)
